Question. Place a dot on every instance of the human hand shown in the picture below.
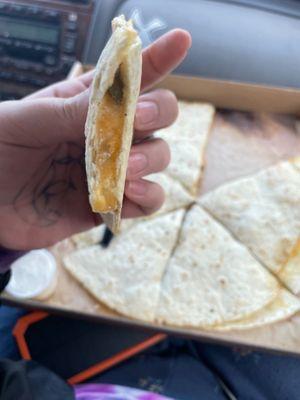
(43, 195)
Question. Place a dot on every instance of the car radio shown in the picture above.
(39, 42)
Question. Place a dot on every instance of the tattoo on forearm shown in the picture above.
(40, 201)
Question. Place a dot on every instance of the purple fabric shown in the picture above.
(7, 257)
(113, 392)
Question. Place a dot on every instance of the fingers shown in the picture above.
(87, 78)
(155, 110)
(142, 198)
(162, 56)
(65, 89)
(147, 158)
(159, 107)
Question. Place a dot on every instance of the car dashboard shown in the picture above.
(246, 40)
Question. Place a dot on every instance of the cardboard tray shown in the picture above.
(241, 142)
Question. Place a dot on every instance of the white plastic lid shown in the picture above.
(32, 274)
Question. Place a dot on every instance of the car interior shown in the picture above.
(223, 39)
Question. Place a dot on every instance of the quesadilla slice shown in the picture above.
(176, 196)
(187, 139)
(126, 276)
(89, 237)
(244, 143)
(284, 306)
(211, 278)
(296, 162)
(109, 125)
(263, 212)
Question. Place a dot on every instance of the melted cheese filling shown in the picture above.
(107, 145)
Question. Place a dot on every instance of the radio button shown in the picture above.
(50, 60)
(22, 44)
(50, 71)
(22, 78)
(37, 82)
(37, 68)
(17, 8)
(51, 14)
(38, 47)
(3, 6)
(34, 10)
(23, 65)
(6, 41)
(71, 26)
(6, 61)
(48, 49)
(69, 44)
(6, 75)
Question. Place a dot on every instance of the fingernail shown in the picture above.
(137, 163)
(137, 188)
(146, 114)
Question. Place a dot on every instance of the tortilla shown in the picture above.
(109, 125)
(211, 278)
(243, 143)
(187, 139)
(282, 307)
(296, 162)
(263, 212)
(88, 238)
(126, 276)
(176, 196)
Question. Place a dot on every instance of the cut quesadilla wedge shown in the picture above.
(176, 196)
(187, 139)
(126, 276)
(296, 162)
(88, 238)
(282, 307)
(243, 143)
(109, 125)
(211, 278)
(263, 212)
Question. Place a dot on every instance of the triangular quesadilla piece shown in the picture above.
(109, 125)
(187, 139)
(282, 307)
(296, 162)
(242, 144)
(211, 278)
(263, 212)
(176, 196)
(126, 276)
(89, 237)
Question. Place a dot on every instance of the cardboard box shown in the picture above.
(70, 299)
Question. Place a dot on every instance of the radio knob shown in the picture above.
(72, 17)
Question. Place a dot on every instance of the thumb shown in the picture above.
(74, 110)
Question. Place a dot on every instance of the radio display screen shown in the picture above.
(33, 31)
